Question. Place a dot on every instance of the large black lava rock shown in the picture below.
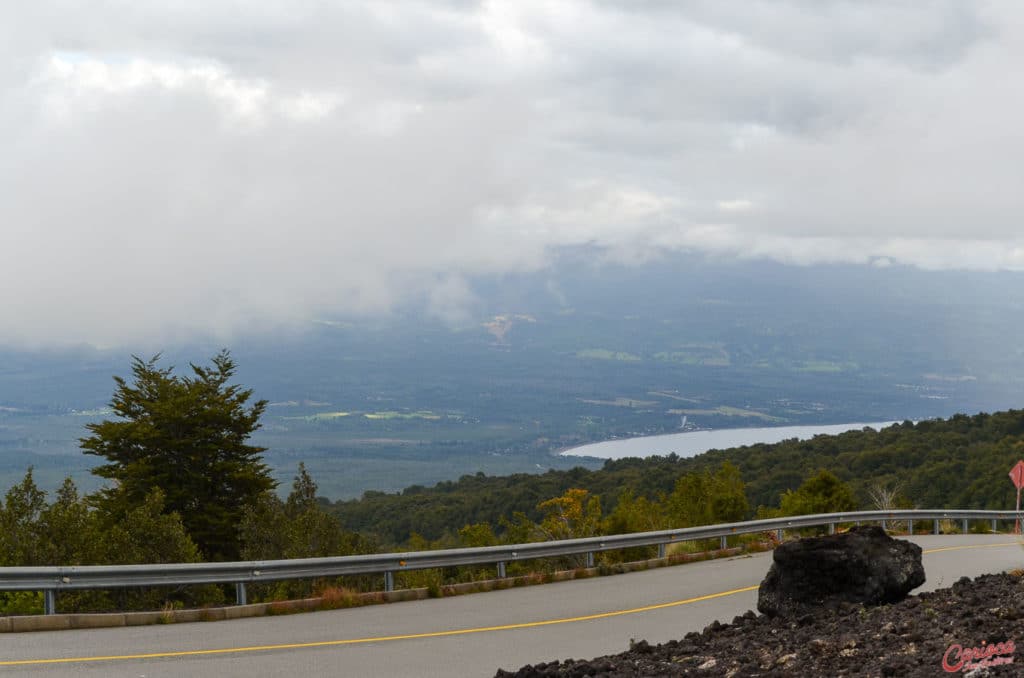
(864, 565)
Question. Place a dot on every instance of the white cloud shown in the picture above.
(75, 80)
(739, 205)
(309, 106)
(172, 168)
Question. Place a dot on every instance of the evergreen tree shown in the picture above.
(72, 534)
(297, 527)
(21, 540)
(185, 436)
(149, 534)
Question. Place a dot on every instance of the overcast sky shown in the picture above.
(171, 168)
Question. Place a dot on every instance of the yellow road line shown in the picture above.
(414, 636)
(356, 641)
(976, 546)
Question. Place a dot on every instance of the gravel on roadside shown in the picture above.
(971, 628)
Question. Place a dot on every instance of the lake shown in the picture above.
(692, 443)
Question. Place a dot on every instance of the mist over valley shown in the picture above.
(536, 363)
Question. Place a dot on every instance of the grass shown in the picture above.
(684, 358)
(100, 412)
(384, 415)
(825, 366)
(622, 402)
(605, 354)
(707, 355)
(727, 411)
(321, 416)
(673, 396)
(167, 613)
(390, 414)
(339, 597)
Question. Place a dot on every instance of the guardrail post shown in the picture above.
(723, 542)
(831, 528)
(993, 524)
(778, 534)
(240, 597)
(885, 525)
(501, 569)
(965, 525)
(50, 601)
(661, 550)
(936, 526)
(389, 581)
(590, 559)
(910, 527)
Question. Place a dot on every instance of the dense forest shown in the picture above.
(960, 462)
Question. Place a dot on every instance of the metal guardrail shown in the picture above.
(51, 579)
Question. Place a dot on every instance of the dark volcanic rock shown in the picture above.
(864, 565)
(909, 639)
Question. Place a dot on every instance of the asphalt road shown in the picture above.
(469, 635)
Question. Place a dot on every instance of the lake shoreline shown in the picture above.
(692, 443)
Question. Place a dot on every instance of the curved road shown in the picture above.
(469, 635)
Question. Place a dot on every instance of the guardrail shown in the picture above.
(51, 579)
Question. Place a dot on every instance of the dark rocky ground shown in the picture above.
(908, 638)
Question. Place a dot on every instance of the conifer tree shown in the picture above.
(185, 436)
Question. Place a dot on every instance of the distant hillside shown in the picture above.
(573, 354)
(959, 462)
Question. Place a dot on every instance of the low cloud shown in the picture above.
(182, 168)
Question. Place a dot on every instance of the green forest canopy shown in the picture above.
(960, 462)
